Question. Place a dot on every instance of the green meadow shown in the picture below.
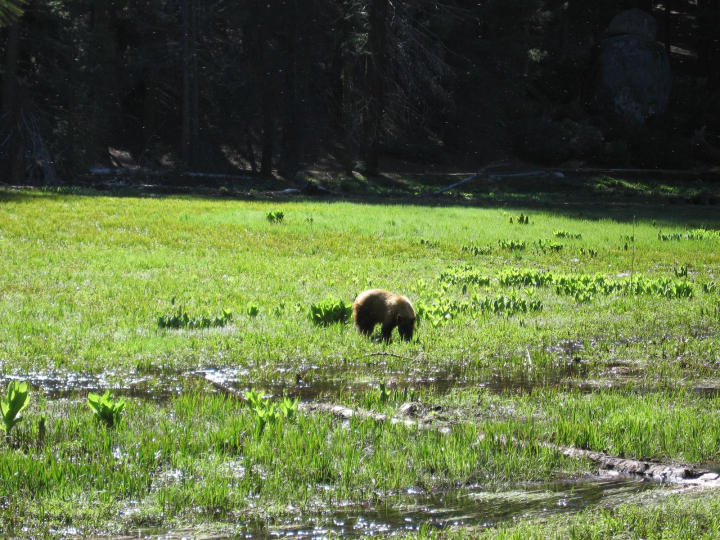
(543, 317)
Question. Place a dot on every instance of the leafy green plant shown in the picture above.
(288, 408)
(330, 311)
(106, 409)
(275, 216)
(252, 310)
(680, 271)
(267, 412)
(17, 399)
(179, 318)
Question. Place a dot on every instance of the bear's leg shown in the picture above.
(387, 330)
(365, 325)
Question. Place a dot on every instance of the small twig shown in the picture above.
(632, 263)
(383, 353)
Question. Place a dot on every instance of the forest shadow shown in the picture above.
(689, 201)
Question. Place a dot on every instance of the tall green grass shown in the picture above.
(200, 456)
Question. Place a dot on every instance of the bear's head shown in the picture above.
(405, 319)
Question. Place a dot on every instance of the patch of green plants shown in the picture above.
(476, 250)
(548, 245)
(10, 407)
(664, 287)
(692, 234)
(565, 234)
(515, 278)
(584, 287)
(428, 243)
(179, 318)
(590, 252)
(464, 274)
(442, 310)
(703, 234)
(105, 409)
(275, 216)
(668, 237)
(512, 245)
(680, 271)
(508, 304)
(330, 311)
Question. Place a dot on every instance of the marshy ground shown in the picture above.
(572, 312)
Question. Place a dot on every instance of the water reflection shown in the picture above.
(469, 506)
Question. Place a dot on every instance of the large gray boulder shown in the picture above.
(633, 21)
(633, 78)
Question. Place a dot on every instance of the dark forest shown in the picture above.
(281, 86)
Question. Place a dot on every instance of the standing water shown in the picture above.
(408, 512)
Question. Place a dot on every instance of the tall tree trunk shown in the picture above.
(346, 118)
(188, 85)
(14, 151)
(195, 110)
(669, 6)
(105, 105)
(708, 42)
(292, 146)
(268, 128)
(264, 82)
(376, 73)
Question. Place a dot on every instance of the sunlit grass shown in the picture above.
(86, 280)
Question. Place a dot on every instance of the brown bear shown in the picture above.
(379, 306)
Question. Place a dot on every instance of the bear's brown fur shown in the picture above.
(391, 310)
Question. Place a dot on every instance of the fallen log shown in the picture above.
(467, 178)
(663, 472)
(676, 474)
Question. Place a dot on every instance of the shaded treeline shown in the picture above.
(227, 86)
